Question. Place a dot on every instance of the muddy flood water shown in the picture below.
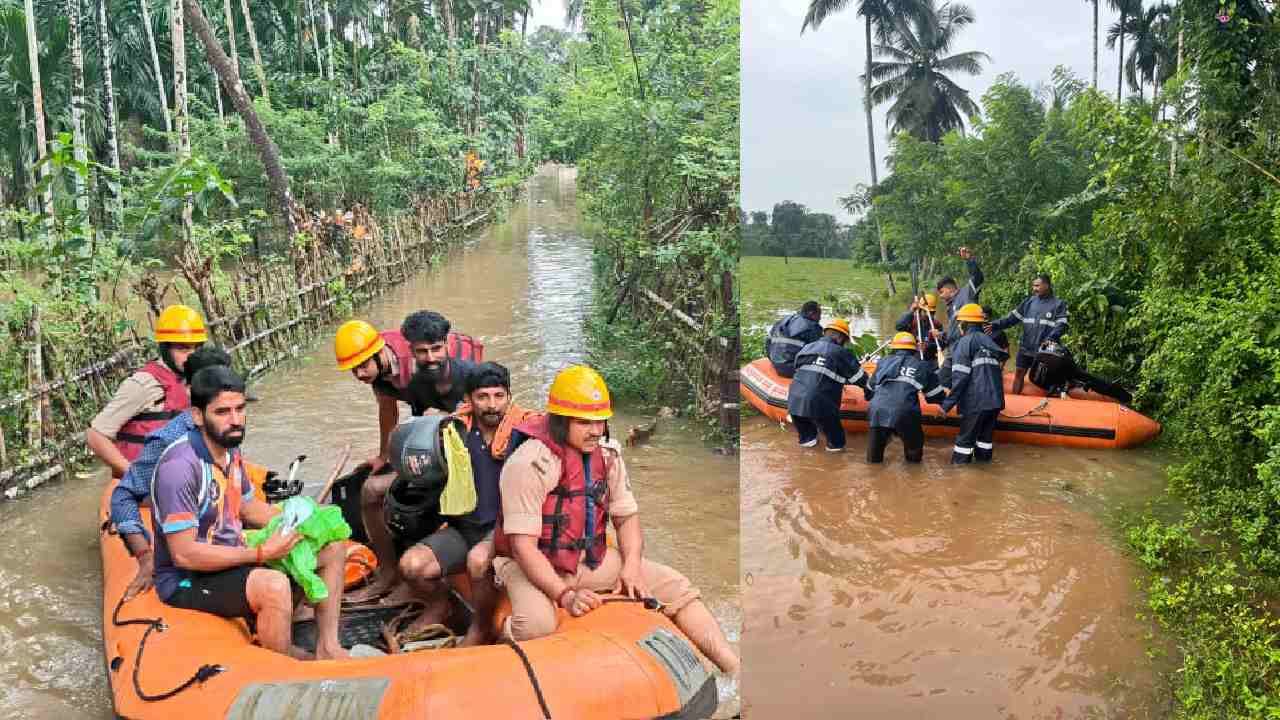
(524, 287)
(924, 591)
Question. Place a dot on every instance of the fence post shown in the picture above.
(35, 377)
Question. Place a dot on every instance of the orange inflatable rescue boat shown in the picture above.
(619, 661)
(1026, 419)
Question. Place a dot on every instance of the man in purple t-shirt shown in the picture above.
(201, 499)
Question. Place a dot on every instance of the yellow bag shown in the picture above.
(459, 495)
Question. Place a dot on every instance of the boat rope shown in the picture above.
(1033, 411)
(650, 603)
(533, 678)
(157, 625)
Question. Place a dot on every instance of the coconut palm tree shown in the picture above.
(277, 180)
(926, 102)
(880, 17)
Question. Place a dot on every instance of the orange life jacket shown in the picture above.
(133, 434)
(575, 513)
(515, 417)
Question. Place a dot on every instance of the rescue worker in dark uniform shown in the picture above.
(915, 321)
(791, 333)
(999, 336)
(148, 399)
(956, 298)
(1043, 318)
(977, 387)
(823, 368)
(894, 408)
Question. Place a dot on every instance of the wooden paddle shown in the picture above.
(333, 475)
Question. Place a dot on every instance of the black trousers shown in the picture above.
(974, 440)
(831, 427)
(908, 428)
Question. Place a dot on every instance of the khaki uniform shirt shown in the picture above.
(139, 393)
(532, 472)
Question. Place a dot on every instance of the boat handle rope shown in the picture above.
(157, 625)
(650, 603)
(533, 677)
(1033, 411)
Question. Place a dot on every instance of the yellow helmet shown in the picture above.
(838, 324)
(931, 301)
(579, 392)
(356, 342)
(971, 313)
(180, 324)
(903, 341)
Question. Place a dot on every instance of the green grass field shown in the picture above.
(768, 285)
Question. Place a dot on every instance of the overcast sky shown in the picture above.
(804, 133)
(547, 12)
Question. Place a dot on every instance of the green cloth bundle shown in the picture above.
(319, 526)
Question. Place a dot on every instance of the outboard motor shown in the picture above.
(278, 490)
(1054, 367)
(416, 448)
(1056, 371)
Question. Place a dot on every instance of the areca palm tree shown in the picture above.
(926, 102)
(1094, 3)
(75, 23)
(109, 108)
(1128, 9)
(37, 103)
(1150, 55)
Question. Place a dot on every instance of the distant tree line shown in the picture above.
(792, 230)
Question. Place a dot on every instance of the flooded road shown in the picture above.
(524, 288)
(927, 591)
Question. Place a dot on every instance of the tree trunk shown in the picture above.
(315, 37)
(80, 151)
(155, 66)
(258, 67)
(1173, 136)
(871, 149)
(37, 106)
(178, 31)
(451, 30)
(1095, 44)
(328, 37)
(1120, 72)
(231, 35)
(27, 163)
(270, 155)
(109, 109)
(482, 32)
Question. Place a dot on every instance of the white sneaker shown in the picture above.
(811, 443)
(831, 449)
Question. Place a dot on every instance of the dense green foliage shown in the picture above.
(373, 107)
(647, 105)
(376, 110)
(1170, 267)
